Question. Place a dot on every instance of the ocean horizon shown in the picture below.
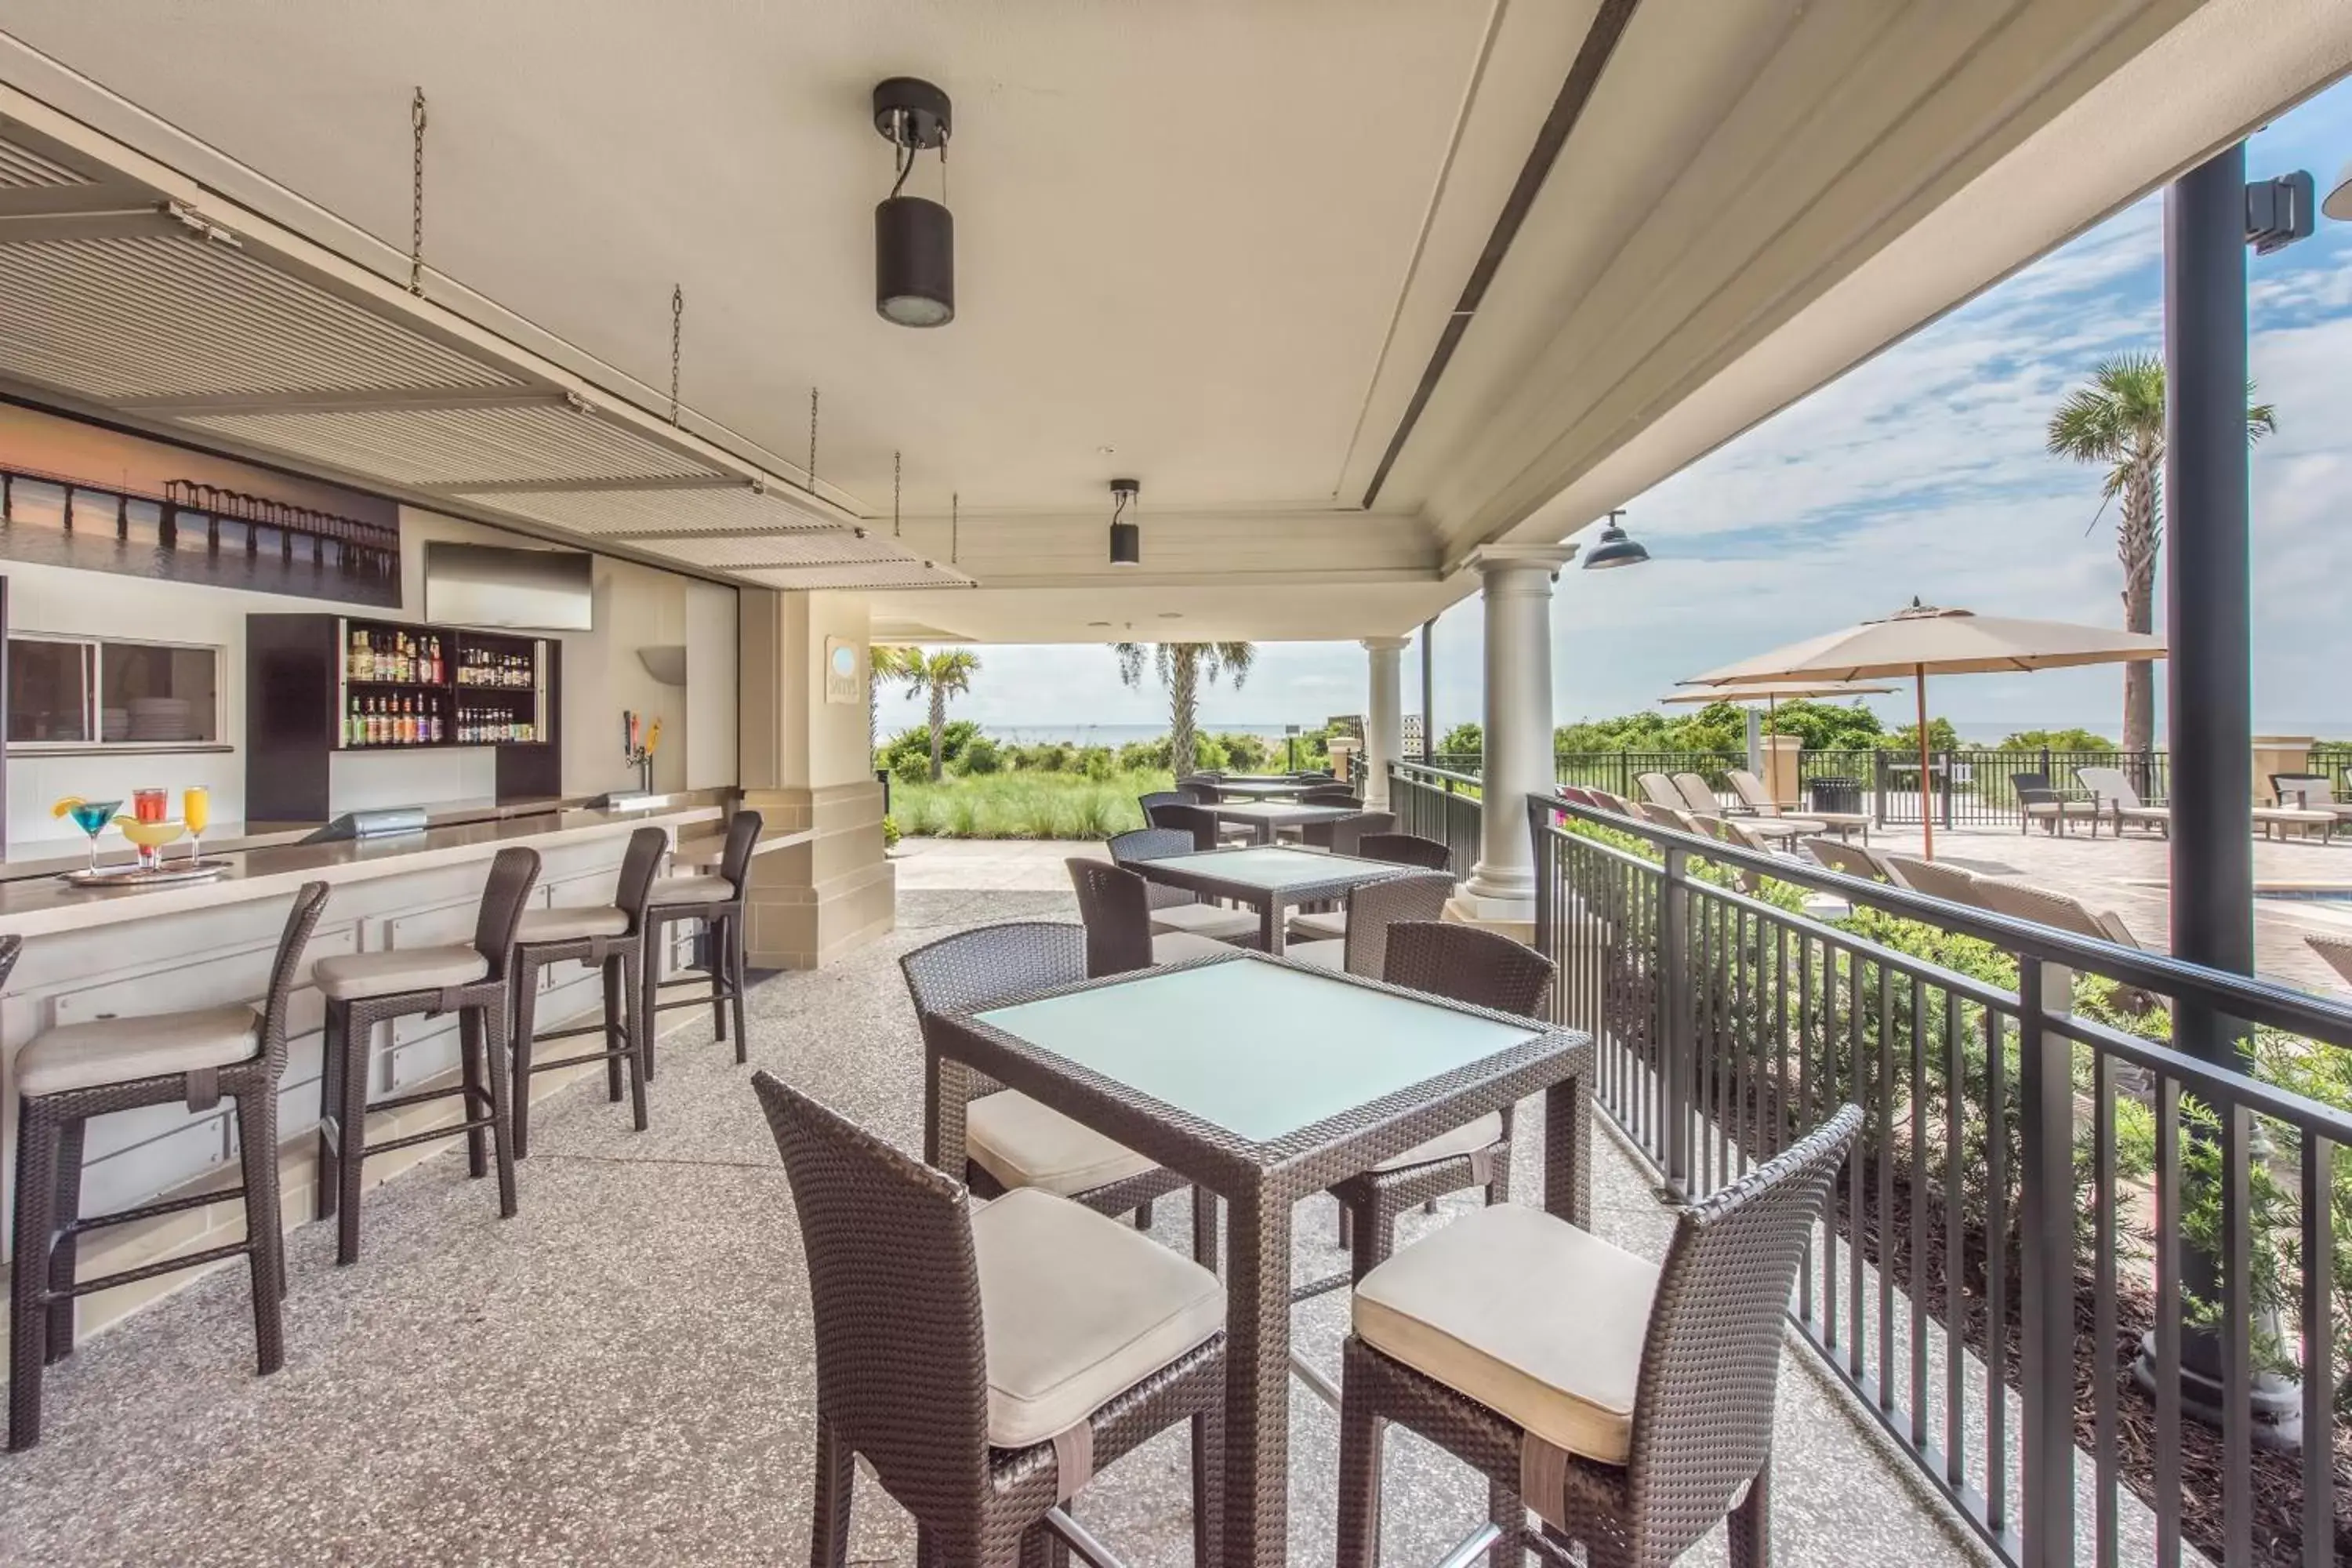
(1970, 733)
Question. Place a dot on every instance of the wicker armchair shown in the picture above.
(1362, 946)
(1154, 843)
(1406, 849)
(1180, 834)
(68, 1076)
(1344, 835)
(1115, 906)
(973, 1359)
(1464, 965)
(1006, 1140)
(1630, 1404)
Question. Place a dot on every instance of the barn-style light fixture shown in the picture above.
(1615, 549)
(1126, 536)
(914, 237)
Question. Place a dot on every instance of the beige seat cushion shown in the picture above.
(118, 1050)
(350, 976)
(1330, 954)
(1207, 920)
(1487, 1129)
(1320, 926)
(692, 890)
(1024, 1145)
(1182, 946)
(570, 925)
(1076, 1308)
(1537, 1320)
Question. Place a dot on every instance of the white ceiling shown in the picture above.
(1221, 238)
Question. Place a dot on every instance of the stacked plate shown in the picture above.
(114, 724)
(161, 719)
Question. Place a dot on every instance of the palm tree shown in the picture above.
(2117, 418)
(883, 663)
(1182, 668)
(943, 673)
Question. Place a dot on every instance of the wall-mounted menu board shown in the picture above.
(77, 495)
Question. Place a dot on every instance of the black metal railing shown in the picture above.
(2044, 1180)
(1436, 804)
(1973, 786)
(1619, 773)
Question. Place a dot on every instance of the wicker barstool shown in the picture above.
(1174, 908)
(1114, 906)
(1405, 850)
(717, 902)
(1627, 1403)
(1010, 1140)
(68, 1076)
(1465, 964)
(364, 989)
(985, 1364)
(611, 937)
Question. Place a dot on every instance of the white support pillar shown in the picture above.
(1501, 891)
(1384, 718)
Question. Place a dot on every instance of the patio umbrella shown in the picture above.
(1920, 640)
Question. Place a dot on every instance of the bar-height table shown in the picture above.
(1265, 815)
(1343, 1073)
(1271, 879)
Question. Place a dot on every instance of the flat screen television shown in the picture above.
(489, 585)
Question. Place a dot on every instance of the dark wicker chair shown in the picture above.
(1114, 906)
(1172, 907)
(1332, 795)
(717, 902)
(910, 1328)
(1343, 836)
(364, 989)
(1198, 821)
(1200, 790)
(1703, 1333)
(991, 967)
(67, 1077)
(1162, 797)
(2038, 801)
(1154, 843)
(610, 937)
(1371, 910)
(1406, 849)
(1463, 964)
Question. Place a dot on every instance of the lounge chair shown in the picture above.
(1936, 878)
(2038, 802)
(2273, 820)
(2063, 912)
(1699, 800)
(1616, 803)
(2336, 952)
(2302, 792)
(1759, 803)
(1659, 790)
(2113, 793)
(1851, 859)
(1659, 816)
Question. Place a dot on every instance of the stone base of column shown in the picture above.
(814, 901)
(1513, 918)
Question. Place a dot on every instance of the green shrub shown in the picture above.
(1097, 763)
(1243, 753)
(890, 833)
(915, 744)
(1138, 755)
(980, 755)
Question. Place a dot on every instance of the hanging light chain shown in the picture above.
(676, 324)
(955, 526)
(416, 193)
(811, 460)
(894, 495)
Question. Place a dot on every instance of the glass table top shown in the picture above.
(1274, 867)
(1280, 811)
(1317, 1045)
(1274, 787)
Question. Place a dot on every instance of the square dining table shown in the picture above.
(1267, 789)
(1272, 879)
(1265, 815)
(1336, 1074)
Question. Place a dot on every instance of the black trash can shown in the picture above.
(1836, 795)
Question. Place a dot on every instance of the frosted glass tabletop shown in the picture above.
(1315, 1046)
(1272, 787)
(1281, 811)
(1273, 869)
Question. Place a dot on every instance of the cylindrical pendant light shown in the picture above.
(914, 237)
(1126, 534)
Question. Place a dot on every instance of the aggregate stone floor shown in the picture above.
(621, 1375)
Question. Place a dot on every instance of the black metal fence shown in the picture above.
(1436, 804)
(1619, 773)
(1977, 787)
(2044, 1178)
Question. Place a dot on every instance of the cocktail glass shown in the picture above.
(147, 804)
(196, 811)
(93, 818)
(151, 838)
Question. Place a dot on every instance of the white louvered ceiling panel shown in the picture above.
(24, 169)
(159, 316)
(650, 512)
(459, 448)
(878, 574)
(740, 552)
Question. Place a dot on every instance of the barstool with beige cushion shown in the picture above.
(364, 989)
(717, 902)
(985, 1363)
(67, 1077)
(610, 937)
(1628, 1403)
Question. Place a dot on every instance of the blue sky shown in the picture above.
(1920, 472)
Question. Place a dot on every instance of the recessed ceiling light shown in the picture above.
(1099, 622)
(1106, 451)
(1172, 615)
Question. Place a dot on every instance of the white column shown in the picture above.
(1502, 888)
(1384, 720)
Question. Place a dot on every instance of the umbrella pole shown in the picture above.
(1926, 807)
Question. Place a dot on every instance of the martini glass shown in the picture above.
(92, 817)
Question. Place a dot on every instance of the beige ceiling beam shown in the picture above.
(116, 220)
(347, 401)
(487, 488)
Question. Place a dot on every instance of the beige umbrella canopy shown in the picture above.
(1922, 640)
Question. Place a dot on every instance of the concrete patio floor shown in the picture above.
(622, 1374)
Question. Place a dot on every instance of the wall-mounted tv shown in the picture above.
(530, 590)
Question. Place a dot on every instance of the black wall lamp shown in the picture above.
(1615, 549)
(914, 237)
(1126, 536)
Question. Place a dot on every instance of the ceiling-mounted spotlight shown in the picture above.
(914, 237)
(1126, 536)
(1614, 549)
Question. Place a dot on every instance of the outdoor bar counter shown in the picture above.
(122, 953)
